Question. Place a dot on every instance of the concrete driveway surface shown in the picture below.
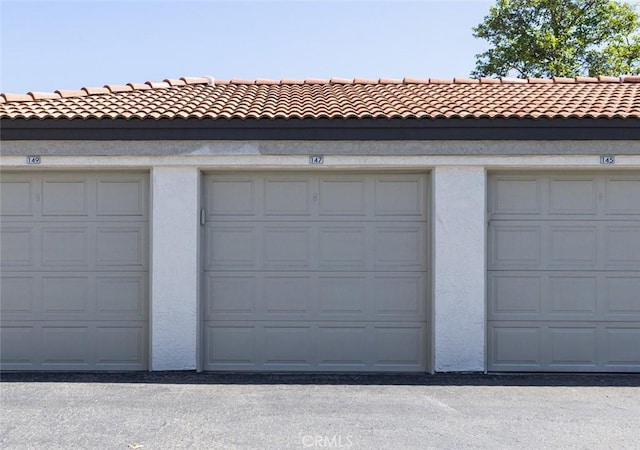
(194, 410)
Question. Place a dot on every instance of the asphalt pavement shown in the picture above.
(168, 410)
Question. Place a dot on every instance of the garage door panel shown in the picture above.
(74, 272)
(399, 345)
(65, 246)
(342, 345)
(564, 346)
(316, 246)
(400, 246)
(16, 197)
(400, 296)
(558, 245)
(343, 196)
(572, 346)
(622, 345)
(120, 296)
(17, 294)
(515, 196)
(62, 295)
(120, 345)
(74, 197)
(89, 247)
(18, 345)
(118, 197)
(296, 197)
(286, 247)
(231, 346)
(68, 345)
(234, 294)
(515, 246)
(622, 195)
(623, 294)
(573, 195)
(65, 197)
(572, 246)
(339, 296)
(574, 295)
(17, 247)
(231, 196)
(121, 246)
(343, 246)
(400, 196)
(285, 196)
(333, 346)
(515, 295)
(287, 346)
(514, 345)
(231, 247)
(57, 295)
(564, 196)
(286, 296)
(65, 344)
(315, 272)
(556, 295)
(343, 295)
(623, 246)
(569, 298)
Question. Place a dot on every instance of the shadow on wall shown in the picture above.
(444, 379)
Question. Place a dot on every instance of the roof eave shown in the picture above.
(323, 129)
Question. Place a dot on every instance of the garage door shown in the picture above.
(308, 272)
(564, 272)
(74, 284)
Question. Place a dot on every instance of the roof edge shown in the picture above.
(168, 83)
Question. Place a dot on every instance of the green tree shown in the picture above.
(564, 38)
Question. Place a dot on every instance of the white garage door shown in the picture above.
(564, 272)
(74, 271)
(315, 272)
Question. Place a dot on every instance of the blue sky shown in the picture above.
(51, 45)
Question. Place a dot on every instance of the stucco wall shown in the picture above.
(459, 218)
(174, 268)
(337, 148)
(459, 228)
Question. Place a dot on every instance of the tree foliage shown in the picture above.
(565, 38)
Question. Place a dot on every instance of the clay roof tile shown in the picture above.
(563, 80)
(415, 81)
(139, 86)
(17, 97)
(96, 90)
(605, 79)
(466, 80)
(197, 80)
(158, 84)
(174, 82)
(198, 97)
(43, 95)
(69, 93)
(341, 81)
(118, 87)
(509, 80)
(440, 81)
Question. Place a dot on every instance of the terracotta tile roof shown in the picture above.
(202, 97)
